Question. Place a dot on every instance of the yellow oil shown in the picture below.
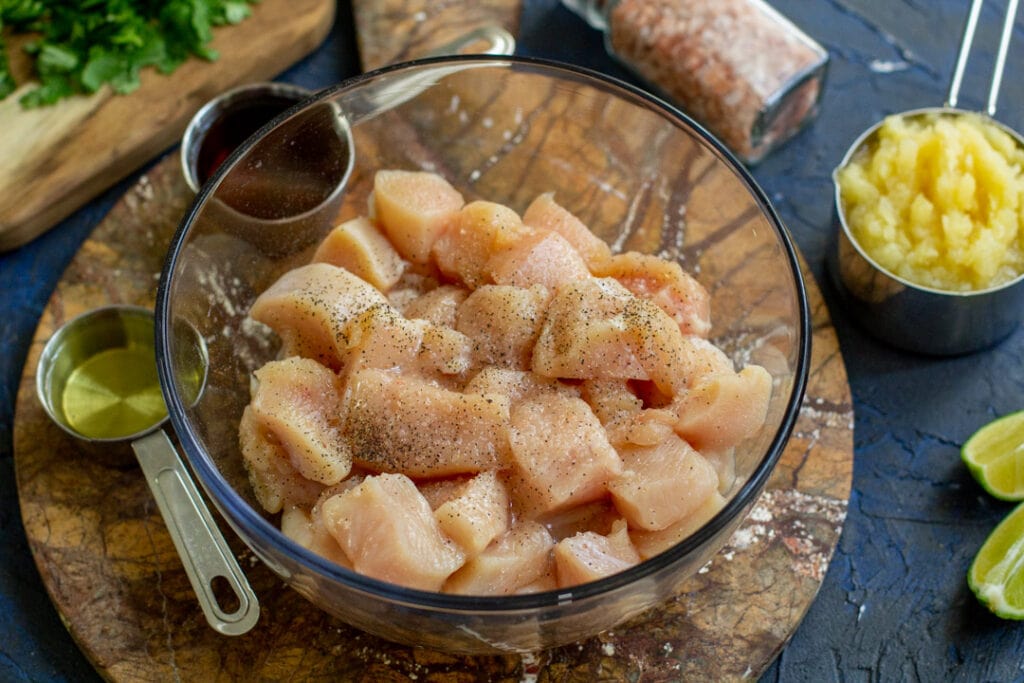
(114, 393)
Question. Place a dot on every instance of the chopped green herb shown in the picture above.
(84, 44)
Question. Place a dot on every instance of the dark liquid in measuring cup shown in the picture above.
(292, 170)
(234, 127)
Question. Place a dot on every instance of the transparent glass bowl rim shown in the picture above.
(235, 508)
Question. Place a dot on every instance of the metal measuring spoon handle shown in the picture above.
(203, 550)
(965, 50)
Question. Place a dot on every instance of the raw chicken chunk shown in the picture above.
(414, 208)
(300, 525)
(412, 285)
(518, 558)
(666, 284)
(610, 398)
(398, 423)
(309, 306)
(596, 328)
(662, 484)
(476, 514)
(516, 385)
(651, 543)
(381, 337)
(503, 323)
(597, 517)
(358, 247)
(624, 418)
(297, 401)
(648, 427)
(439, 305)
(589, 556)
(440, 491)
(561, 455)
(275, 482)
(724, 462)
(480, 230)
(724, 408)
(538, 258)
(545, 213)
(386, 529)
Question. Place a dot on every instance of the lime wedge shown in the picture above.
(997, 574)
(995, 456)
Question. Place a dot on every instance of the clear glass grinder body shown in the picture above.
(738, 67)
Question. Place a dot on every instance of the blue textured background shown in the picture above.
(895, 604)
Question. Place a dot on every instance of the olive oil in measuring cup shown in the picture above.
(114, 392)
(97, 379)
(101, 381)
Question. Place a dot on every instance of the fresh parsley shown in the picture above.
(84, 44)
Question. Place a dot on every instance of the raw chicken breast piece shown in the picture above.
(381, 337)
(478, 513)
(517, 558)
(561, 455)
(589, 556)
(397, 423)
(610, 398)
(648, 427)
(597, 517)
(596, 328)
(297, 401)
(538, 258)
(480, 230)
(724, 408)
(662, 484)
(625, 419)
(413, 284)
(309, 306)
(503, 323)
(298, 524)
(545, 213)
(516, 385)
(438, 305)
(651, 543)
(440, 491)
(358, 247)
(275, 482)
(724, 462)
(386, 529)
(413, 208)
(666, 284)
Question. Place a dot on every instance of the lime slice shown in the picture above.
(997, 574)
(995, 456)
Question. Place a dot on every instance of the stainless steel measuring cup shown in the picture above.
(129, 332)
(906, 314)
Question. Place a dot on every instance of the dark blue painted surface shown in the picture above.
(894, 605)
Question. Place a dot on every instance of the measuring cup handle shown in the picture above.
(489, 39)
(202, 548)
(970, 27)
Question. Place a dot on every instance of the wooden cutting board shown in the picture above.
(54, 159)
(110, 567)
(391, 31)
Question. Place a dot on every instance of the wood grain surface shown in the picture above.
(112, 572)
(398, 30)
(54, 159)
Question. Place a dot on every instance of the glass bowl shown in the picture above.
(642, 175)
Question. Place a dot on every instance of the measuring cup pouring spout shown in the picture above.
(97, 380)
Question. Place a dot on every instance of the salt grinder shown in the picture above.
(738, 67)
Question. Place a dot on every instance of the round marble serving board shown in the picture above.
(112, 572)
